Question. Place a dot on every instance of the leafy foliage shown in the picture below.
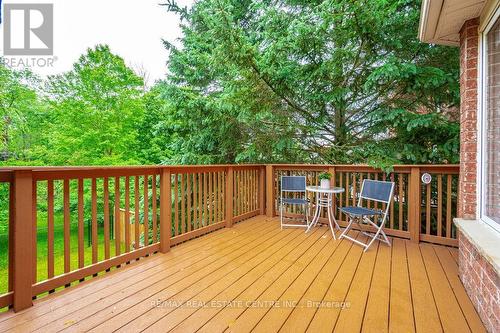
(20, 112)
(96, 108)
(254, 81)
(302, 81)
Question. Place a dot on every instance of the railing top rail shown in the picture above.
(61, 172)
(73, 172)
(132, 167)
(284, 165)
(441, 168)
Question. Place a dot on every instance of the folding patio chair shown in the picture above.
(293, 184)
(372, 190)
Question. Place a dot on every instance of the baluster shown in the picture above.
(229, 197)
(117, 218)
(428, 209)
(146, 209)
(400, 201)
(211, 199)
(127, 214)
(165, 210)
(34, 211)
(205, 199)
(136, 213)
(155, 213)
(391, 217)
(67, 231)
(50, 229)
(81, 227)
(195, 201)
(189, 192)
(94, 220)
(106, 218)
(176, 204)
(440, 206)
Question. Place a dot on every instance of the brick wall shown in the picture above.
(468, 118)
(480, 279)
(481, 283)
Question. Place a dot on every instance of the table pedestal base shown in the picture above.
(324, 200)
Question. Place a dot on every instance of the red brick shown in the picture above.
(468, 135)
(481, 283)
(471, 94)
(468, 118)
(471, 72)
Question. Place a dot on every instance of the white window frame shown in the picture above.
(481, 123)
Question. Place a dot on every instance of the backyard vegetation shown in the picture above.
(254, 81)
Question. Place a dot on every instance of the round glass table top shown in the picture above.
(319, 189)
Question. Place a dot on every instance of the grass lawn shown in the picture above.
(58, 249)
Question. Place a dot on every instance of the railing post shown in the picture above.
(331, 170)
(262, 190)
(229, 197)
(165, 210)
(23, 240)
(269, 190)
(11, 235)
(414, 205)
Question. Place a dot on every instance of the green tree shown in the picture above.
(154, 142)
(294, 80)
(21, 112)
(96, 111)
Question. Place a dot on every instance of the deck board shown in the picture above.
(377, 308)
(229, 279)
(449, 310)
(252, 315)
(198, 317)
(276, 316)
(300, 317)
(424, 307)
(327, 314)
(94, 286)
(401, 307)
(117, 314)
(450, 269)
(351, 318)
(228, 315)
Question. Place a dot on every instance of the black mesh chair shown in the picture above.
(372, 190)
(293, 184)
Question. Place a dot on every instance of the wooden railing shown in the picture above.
(68, 224)
(418, 211)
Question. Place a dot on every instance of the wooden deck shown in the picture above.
(255, 277)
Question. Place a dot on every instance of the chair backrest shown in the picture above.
(293, 183)
(377, 190)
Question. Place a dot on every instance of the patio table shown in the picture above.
(324, 199)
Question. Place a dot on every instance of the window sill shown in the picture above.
(484, 238)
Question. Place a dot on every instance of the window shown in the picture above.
(490, 124)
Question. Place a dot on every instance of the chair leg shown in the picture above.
(380, 234)
(348, 228)
(306, 207)
(281, 215)
(375, 236)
